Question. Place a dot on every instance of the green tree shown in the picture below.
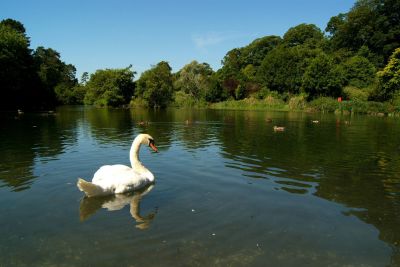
(215, 92)
(230, 75)
(15, 25)
(84, 78)
(70, 95)
(255, 52)
(371, 23)
(389, 78)
(155, 86)
(359, 71)
(29, 80)
(322, 77)
(194, 79)
(110, 87)
(240, 65)
(78, 94)
(18, 80)
(303, 34)
(283, 68)
(54, 73)
(249, 72)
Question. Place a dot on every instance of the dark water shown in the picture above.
(229, 190)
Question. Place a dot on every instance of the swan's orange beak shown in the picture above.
(155, 149)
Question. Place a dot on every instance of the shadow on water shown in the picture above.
(90, 205)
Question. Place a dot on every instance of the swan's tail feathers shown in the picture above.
(89, 188)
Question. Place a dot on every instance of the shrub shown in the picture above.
(354, 106)
(138, 102)
(324, 104)
(297, 102)
(351, 92)
(182, 99)
(359, 71)
(269, 103)
(262, 93)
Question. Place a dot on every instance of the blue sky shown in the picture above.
(114, 34)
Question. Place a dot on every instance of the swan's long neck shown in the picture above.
(134, 153)
(135, 162)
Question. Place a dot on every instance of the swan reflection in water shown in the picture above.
(90, 205)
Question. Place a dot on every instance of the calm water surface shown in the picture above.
(229, 190)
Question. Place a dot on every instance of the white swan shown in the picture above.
(115, 179)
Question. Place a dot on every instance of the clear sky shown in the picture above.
(99, 34)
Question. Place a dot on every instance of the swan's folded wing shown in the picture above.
(109, 171)
(131, 181)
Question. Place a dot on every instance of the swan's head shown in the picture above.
(147, 140)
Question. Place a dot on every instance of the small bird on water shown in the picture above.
(279, 128)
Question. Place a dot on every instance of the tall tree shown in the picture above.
(359, 71)
(371, 23)
(84, 78)
(240, 65)
(194, 79)
(18, 83)
(53, 72)
(303, 34)
(283, 68)
(322, 77)
(14, 24)
(389, 78)
(255, 52)
(110, 87)
(155, 86)
(215, 92)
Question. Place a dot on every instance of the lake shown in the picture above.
(229, 190)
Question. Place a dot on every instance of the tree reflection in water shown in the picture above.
(30, 137)
(355, 164)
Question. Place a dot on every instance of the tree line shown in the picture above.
(356, 57)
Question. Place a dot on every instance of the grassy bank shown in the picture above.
(323, 104)
(269, 103)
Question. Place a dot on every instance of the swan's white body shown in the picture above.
(116, 179)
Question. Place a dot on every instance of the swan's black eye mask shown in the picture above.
(151, 144)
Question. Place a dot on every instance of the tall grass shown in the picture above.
(183, 100)
(138, 103)
(268, 103)
(322, 104)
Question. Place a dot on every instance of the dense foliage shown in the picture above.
(194, 79)
(17, 71)
(356, 58)
(322, 77)
(371, 23)
(155, 86)
(28, 78)
(389, 77)
(110, 87)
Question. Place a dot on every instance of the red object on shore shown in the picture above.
(339, 99)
